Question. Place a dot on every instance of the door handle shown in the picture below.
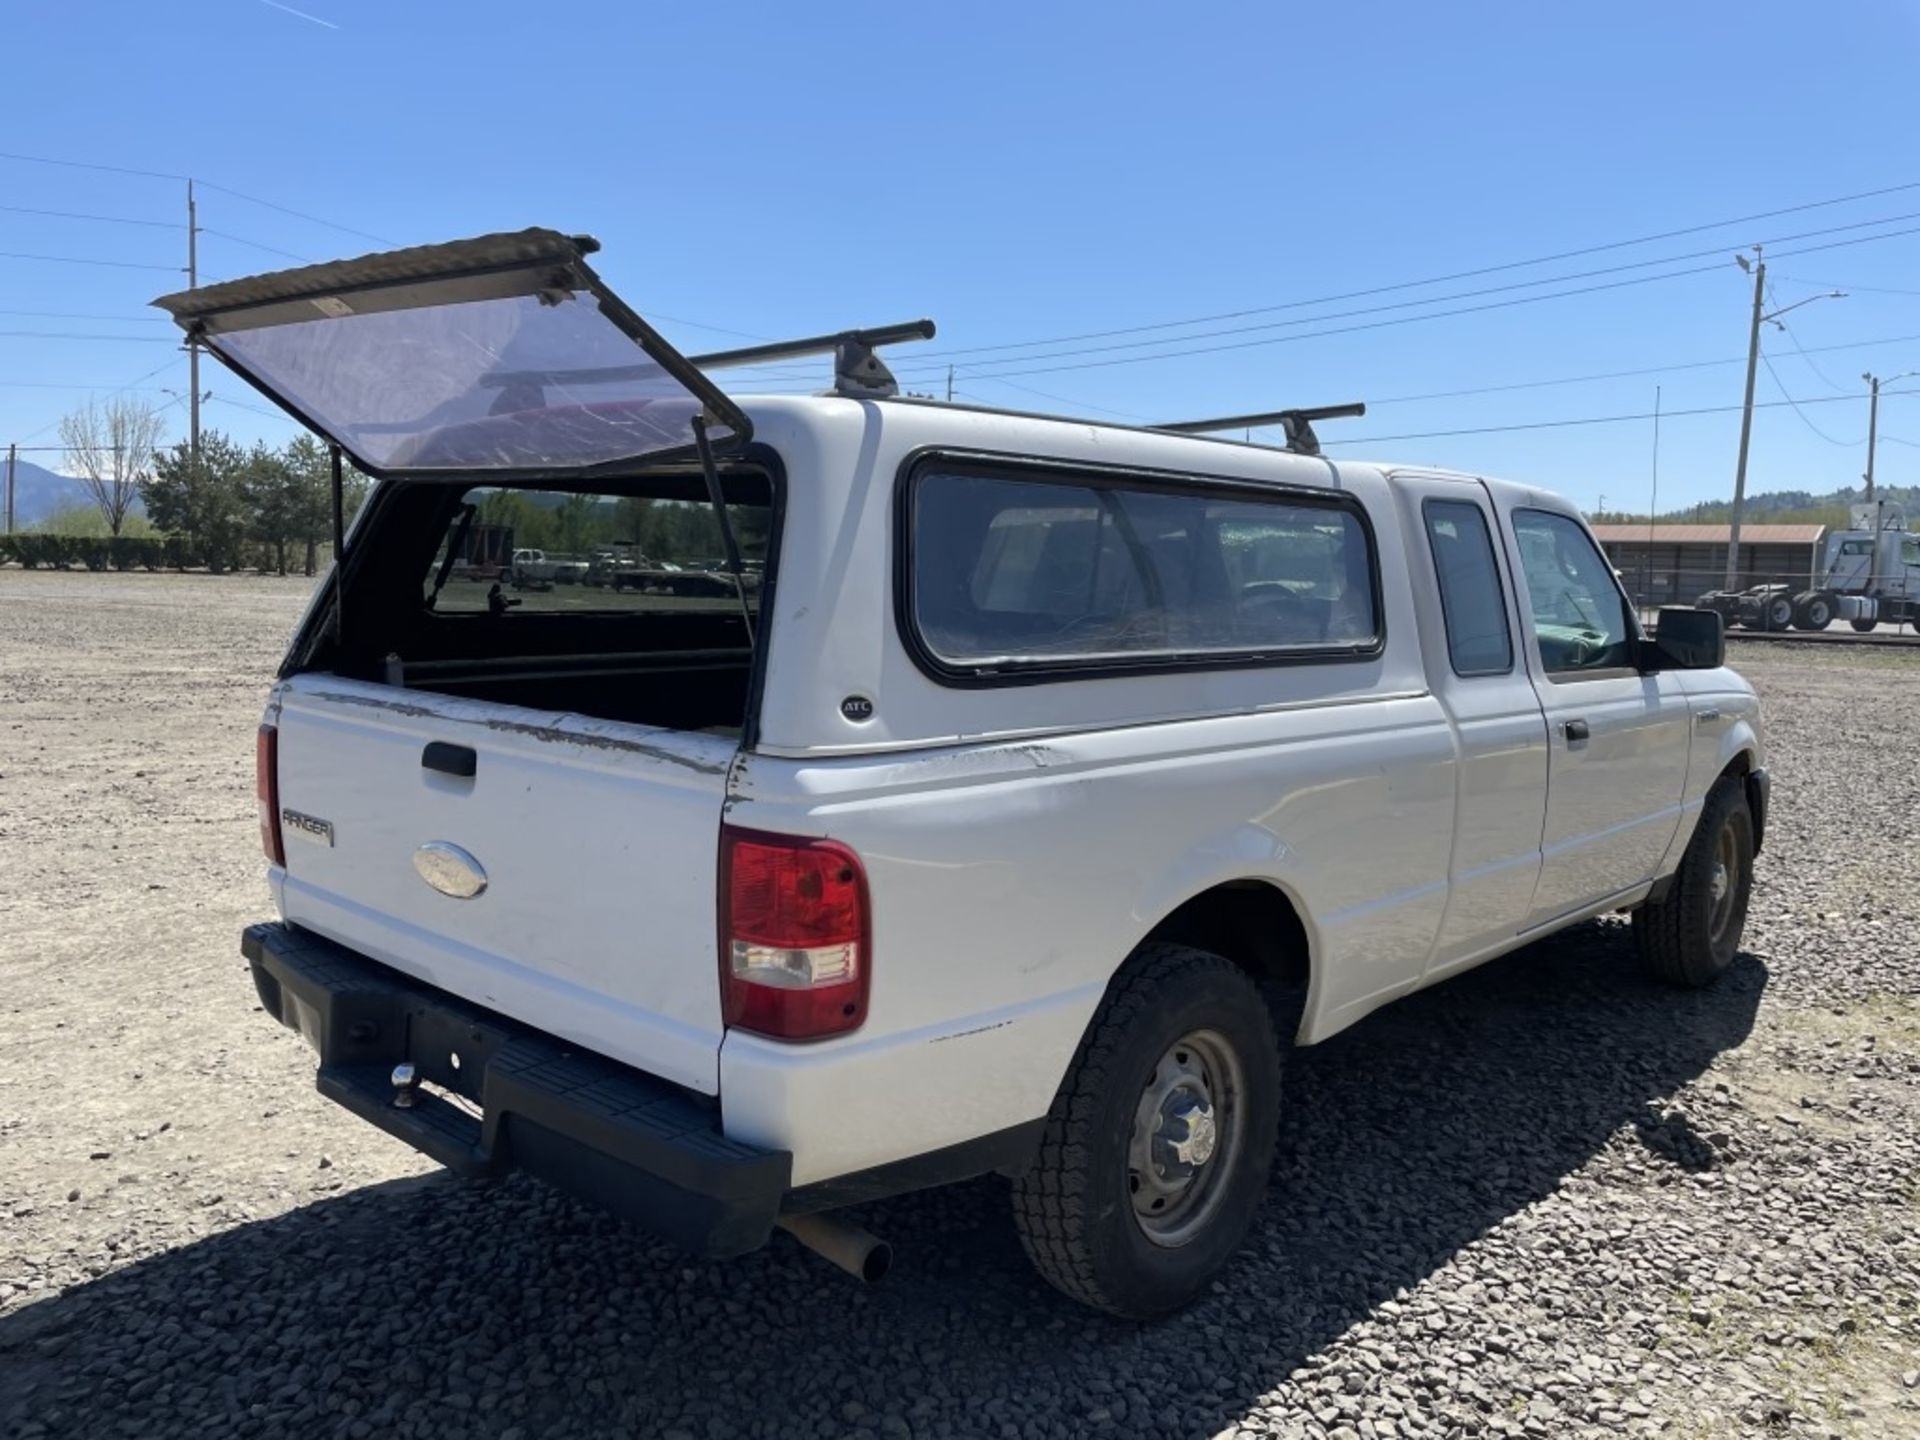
(450, 759)
(1576, 731)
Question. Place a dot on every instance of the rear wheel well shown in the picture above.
(1255, 925)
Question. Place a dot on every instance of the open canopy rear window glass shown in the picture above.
(504, 353)
(1011, 572)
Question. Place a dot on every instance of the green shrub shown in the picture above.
(35, 550)
(127, 552)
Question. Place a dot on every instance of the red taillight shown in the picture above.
(266, 789)
(795, 953)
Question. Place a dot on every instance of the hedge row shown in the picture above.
(120, 552)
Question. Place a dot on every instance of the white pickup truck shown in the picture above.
(1055, 779)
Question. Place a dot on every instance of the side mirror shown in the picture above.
(1688, 639)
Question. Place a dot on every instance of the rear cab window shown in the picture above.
(1018, 570)
(522, 552)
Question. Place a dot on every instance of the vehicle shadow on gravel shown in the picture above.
(428, 1307)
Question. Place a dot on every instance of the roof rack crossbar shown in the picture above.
(1297, 423)
(857, 371)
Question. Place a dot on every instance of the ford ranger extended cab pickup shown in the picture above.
(1019, 793)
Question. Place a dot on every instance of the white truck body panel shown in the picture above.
(1019, 841)
(593, 836)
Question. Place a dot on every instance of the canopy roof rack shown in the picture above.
(1297, 423)
(857, 371)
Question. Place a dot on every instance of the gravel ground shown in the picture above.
(1544, 1199)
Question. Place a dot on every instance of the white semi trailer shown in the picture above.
(1868, 574)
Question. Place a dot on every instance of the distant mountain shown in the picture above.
(1781, 507)
(38, 492)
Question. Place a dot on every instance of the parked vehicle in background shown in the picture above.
(1869, 574)
(531, 570)
(1054, 780)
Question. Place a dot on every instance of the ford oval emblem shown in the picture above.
(449, 869)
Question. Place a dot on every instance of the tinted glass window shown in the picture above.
(519, 381)
(1010, 571)
(1478, 640)
(1579, 616)
(523, 551)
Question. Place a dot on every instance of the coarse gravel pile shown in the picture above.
(1546, 1199)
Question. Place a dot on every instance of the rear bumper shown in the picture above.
(627, 1141)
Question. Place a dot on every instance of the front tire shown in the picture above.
(1864, 627)
(1157, 1150)
(1689, 938)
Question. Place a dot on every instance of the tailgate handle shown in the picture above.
(449, 759)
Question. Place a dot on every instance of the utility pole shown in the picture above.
(193, 346)
(1653, 504)
(1759, 270)
(949, 384)
(10, 455)
(1873, 427)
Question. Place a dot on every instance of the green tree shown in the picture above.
(205, 500)
(311, 470)
(271, 491)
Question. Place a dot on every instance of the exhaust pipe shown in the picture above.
(863, 1256)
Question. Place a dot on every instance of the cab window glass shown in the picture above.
(1474, 606)
(1010, 572)
(1579, 616)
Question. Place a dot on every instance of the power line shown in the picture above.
(1780, 385)
(205, 184)
(1400, 320)
(1794, 340)
(103, 219)
(258, 245)
(90, 165)
(64, 385)
(297, 214)
(84, 315)
(133, 384)
(1833, 285)
(1665, 415)
(73, 335)
(1436, 279)
(85, 260)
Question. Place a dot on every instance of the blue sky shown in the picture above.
(1024, 172)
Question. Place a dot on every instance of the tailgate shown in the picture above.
(594, 845)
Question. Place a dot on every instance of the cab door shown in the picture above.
(1617, 739)
(1476, 670)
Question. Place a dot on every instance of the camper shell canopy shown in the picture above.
(504, 356)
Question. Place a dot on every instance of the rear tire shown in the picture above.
(1180, 1066)
(1776, 612)
(1864, 627)
(1814, 611)
(1690, 937)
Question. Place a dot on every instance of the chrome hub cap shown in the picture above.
(1186, 1134)
(1723, 885)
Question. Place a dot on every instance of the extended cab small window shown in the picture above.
(1475, 607)
(1010, 573)
(1579, 614)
